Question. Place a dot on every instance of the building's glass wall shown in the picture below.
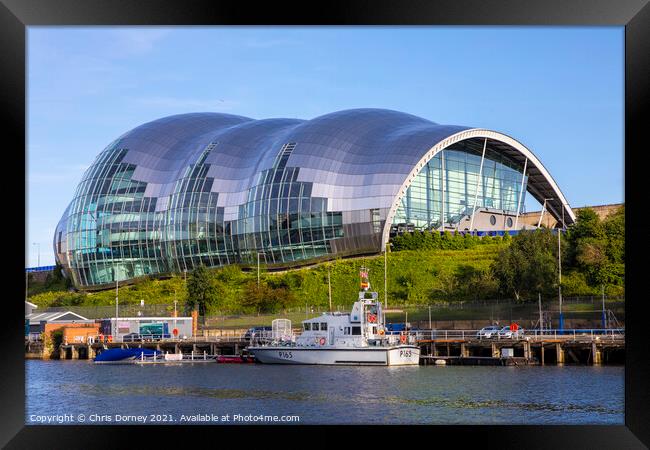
(455, 172)
(282, 219)
(112, 230)
(193, 228)
(110, 226)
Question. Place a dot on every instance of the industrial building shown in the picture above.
(132, 329)
(218, 189)
(40, 323)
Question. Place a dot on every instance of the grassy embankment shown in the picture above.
(414, 277)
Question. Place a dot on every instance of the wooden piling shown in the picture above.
(596, 354)
(559, 353)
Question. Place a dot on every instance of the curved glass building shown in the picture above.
(216, 189)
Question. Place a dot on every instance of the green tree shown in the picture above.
(407, 283)
(446, 241)
(615, 233)
(474, 283)
(597, 247)
(202, 291)
(265, 298)
(528, 265)
(446, 286)
(435, 240)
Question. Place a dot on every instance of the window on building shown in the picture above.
(376, 221)
(356, 331)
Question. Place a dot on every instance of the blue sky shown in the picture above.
(559, 91)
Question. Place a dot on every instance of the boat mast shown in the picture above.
(365, 281)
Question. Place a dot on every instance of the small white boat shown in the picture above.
(355, 338)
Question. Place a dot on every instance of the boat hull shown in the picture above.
(400, 355)
(123, 356)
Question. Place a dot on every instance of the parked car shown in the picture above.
(152, 337)
(507, 333)
(488, 332)
(131, 337)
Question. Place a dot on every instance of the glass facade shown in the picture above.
(218, 189)
(114, 231)
(110, 226)
(499, 188)
(282, 220)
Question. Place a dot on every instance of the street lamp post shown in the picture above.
(117, 303)
(329, 286)
(385, 275)
(258, 267)
(175, 313)
(117, 298)
(559, 268)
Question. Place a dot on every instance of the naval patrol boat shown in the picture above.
(356, 338)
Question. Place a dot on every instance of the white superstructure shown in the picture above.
(355, 338)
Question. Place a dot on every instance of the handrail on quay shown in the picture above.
(108, 339)
(590, 334)
(566, 334)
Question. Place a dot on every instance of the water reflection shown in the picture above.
(472, 395)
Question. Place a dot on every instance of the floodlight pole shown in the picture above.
(604, 313)
(117, 303)
(559, 265)
(385, 276)
(329, 286)
(541, 320)
(258, 268)
(117, 298)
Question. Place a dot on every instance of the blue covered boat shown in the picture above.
(125, 355)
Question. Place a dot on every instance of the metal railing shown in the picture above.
(227, 336)
(259, 337)
(566, 334)
(577, 334)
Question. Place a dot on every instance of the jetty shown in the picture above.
(439, 347)
(579, 346)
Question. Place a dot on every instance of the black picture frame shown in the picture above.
(634, 15)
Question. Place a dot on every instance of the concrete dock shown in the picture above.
(567, 346)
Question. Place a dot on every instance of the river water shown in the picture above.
(74, 392)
